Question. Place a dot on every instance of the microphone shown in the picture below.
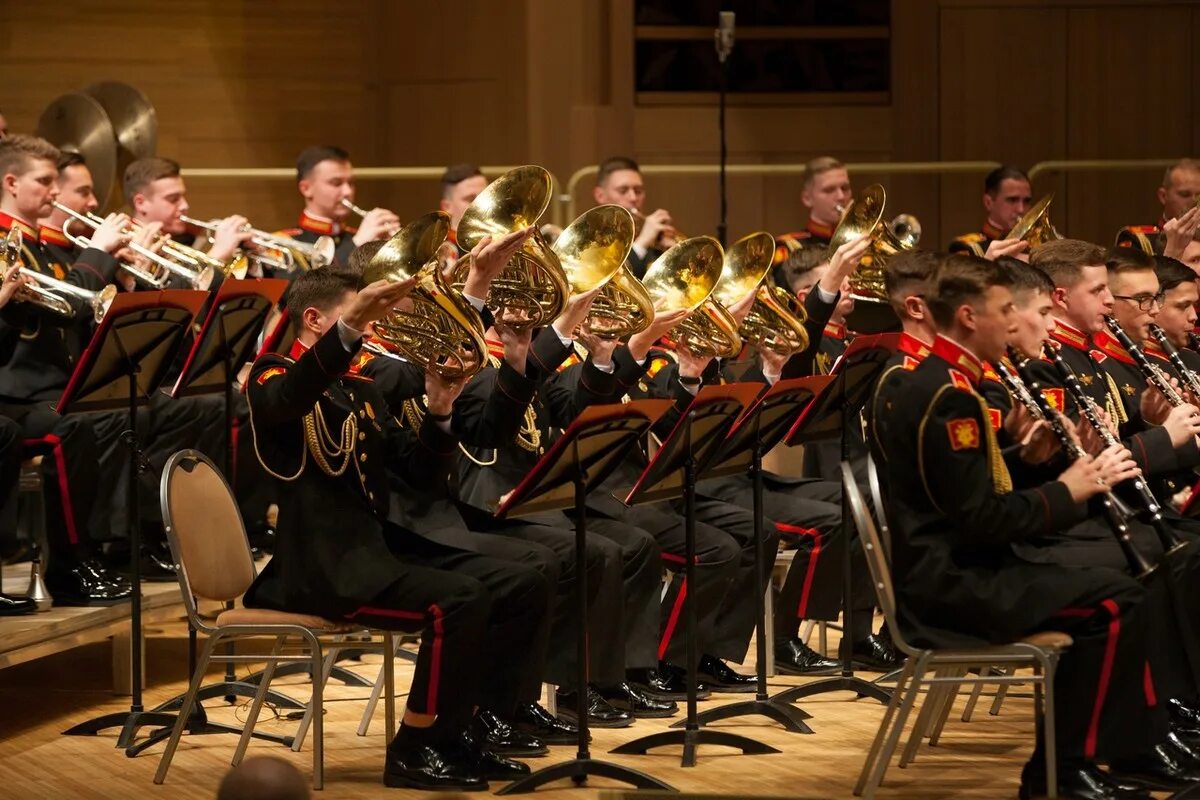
(723, 35)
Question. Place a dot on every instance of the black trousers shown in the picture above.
(477, 617)
(10, 476)
(70, 474)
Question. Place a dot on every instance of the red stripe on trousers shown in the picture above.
(64, 488)
(233, 444)
(1148, 687)
(802, 608)
(673, 620)
(1110, 652)
(435, 665)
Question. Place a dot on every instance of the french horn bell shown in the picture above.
(683, 279)
(1034, 226)
(771, 323)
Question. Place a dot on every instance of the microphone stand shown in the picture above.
(723, 41)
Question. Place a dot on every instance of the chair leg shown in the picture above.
(822, 637)
(390, 643)
(806, 629)
(320, 677)
(884, 727)
(893, 738)
(1050, 666)
(951, 696)
(376, 690)
(931, 706)
(185, 710)
(1001, 693)
(976, 692)
(317, 706)
(256, 706)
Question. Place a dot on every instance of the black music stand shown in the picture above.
(226, 340)
(128, 357)
(761, 428)
(588, 451)
(830, 414)
(696, 439)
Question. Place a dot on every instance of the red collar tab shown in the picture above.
(55, 236)
(911, 345)
(28, 232)
(1072, 337)
(1107, 344)
(319, 226)
(298, 349)
(992, 232)
(495, 348)
(958, 357)
(989, 373)
(1152, 348)
(835, 330)
(818, 231)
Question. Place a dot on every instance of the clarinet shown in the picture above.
(1029, 393)
(1088, 410)
(1193, 340)
(1151, 373)
(1186, 375)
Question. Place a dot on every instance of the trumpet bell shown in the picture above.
(439, 329)
(1035, 226)
(533, 289)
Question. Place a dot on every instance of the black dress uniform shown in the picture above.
(38, 350)
(310, 228)
(1147, 238)
(814, 234)
(976, 243)
(954, 515)
(622, 622)
(329, 439)
(640, 260)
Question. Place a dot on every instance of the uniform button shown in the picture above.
(362, 414)
(362, 456)
(371, 495)
(361, 436)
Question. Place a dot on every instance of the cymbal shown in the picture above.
(77, 122)
(133, 118)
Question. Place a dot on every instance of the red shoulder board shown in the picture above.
(656, 364)
(569, 361)
(1054, 397)
(1097, 356)
(910, 363)
(960, 380)
(360, 360)
(964, 434)
(269, 373)
(995, 418)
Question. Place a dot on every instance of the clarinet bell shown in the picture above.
(37, 586)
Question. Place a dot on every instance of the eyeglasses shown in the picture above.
(1144, 301)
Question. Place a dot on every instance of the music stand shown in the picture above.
(830, 414)
(757, 431)
(127, 358)
(587, 452)
(226, 339)
(696, 438)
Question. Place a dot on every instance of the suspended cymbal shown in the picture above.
(133, 119)
(77, 122)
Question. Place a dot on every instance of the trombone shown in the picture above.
(196, 279)
(51, 293)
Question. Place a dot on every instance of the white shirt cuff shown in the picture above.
(475, 302)
(771, 379)
(348, 336)
(826, 297)
(690, 389)
(641, 251)
(605, 368)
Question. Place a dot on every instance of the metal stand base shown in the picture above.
(578, 770)
(691, 737)
(130, 722)
(840, 683)
(198, 723)
(229, 691)
(296, 668)
(790, 717)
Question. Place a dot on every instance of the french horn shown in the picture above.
(533, 289)
(864, 217)
(775, 321)
(592, 250)
(683, 279)
(1035, 226)
(440, 330)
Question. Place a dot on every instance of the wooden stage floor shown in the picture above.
(41, 698)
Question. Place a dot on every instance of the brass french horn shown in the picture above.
(1035, 226)
(864, 217)
(592, 250)
(440, 330)
(775, 322)
(533, 289)
(684, 278)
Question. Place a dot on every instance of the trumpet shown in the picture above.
(50, 293)
(283, 262)
(197, 279)
(641, 219)
(348, 203)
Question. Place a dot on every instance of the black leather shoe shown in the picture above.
(262, 538)
(1186, 748)
(720, 677)
(498, 736)
(482, 760)
(77, 585)
(423, 767)
(667, 682)
(600, 713)
(876, 653)
(115, 580)
(1075, 780)
(627, 697)
(1183, 714)
(531, 718)
(794, 657)
(1163, 769)
(15, 606)
(157, 564)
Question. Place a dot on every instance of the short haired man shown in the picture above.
(1177, 194)
(325, 179)
(1006, 197)
(825, 192)
(619, 181)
